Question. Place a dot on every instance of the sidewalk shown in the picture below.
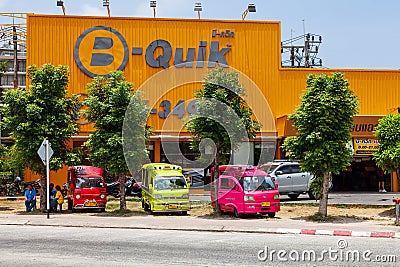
(187, 223)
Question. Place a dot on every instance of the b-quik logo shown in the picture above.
(100, 50)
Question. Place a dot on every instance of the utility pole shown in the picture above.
(305, 54)
(306, 50)
(15, 42)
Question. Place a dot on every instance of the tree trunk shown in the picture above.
(323, 203)
(122, 200)
(216, 182)
(43, 190)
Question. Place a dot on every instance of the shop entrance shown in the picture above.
(360, 176)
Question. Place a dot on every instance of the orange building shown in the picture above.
(167, 60)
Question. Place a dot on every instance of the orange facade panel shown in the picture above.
(377, 90)
(364, 126)
(143, 48)
(147, 50)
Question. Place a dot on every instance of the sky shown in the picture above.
(359, 34)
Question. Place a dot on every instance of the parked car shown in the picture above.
(289, 177)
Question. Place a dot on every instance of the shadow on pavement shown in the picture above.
(391, 213)
(230, 216)
(332, 219)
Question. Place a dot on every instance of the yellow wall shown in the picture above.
(377, 90)
(254, 51)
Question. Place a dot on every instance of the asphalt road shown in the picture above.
(70, 246)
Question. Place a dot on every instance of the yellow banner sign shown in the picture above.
(365, 146)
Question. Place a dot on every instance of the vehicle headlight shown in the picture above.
(102, 196)
(276, 197)
(78, 196)
(248, 198)
(158, 196)
(185, 196)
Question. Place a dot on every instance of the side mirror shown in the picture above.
(278, 172)
(237, 188)
(276, 185)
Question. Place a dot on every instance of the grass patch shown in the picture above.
(299, 204)
(339, 206)
(337, 218)
(133, 200)
(319, 218)
(358, 206)
(112, 206)
(122, 213)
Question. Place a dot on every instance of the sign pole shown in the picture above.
(48, 178)
(45, 152)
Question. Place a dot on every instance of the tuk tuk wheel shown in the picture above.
(69, 204)
(146, 206)
(184, 213)
(236, 213)
(294, 196)
(271, 214)
(311, 195)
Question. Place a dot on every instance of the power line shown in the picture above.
(301, 51)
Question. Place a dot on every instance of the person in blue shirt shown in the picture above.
(30, 198)
(53, 200)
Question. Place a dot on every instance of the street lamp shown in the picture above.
(61, 4)
(153, 4)
(106, 3)
(250, 8)
(198, 8)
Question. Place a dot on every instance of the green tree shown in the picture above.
(323, 120)
(107, 104)
(41, 111)
(6, 164)
(3, 67)
(222, 117)
(388, 133)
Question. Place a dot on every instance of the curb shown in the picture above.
(11, 198)
(350, 233)
(227, 229)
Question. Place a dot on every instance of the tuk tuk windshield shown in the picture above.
(257, 183)
(89, 183)
(169, 182)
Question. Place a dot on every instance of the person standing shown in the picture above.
(59, 197)
(30, 198)
(52, 197)
(381, 181)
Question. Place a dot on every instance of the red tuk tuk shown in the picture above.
(86, 188)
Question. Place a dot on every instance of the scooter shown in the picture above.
(133, 188)
(112, 189)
